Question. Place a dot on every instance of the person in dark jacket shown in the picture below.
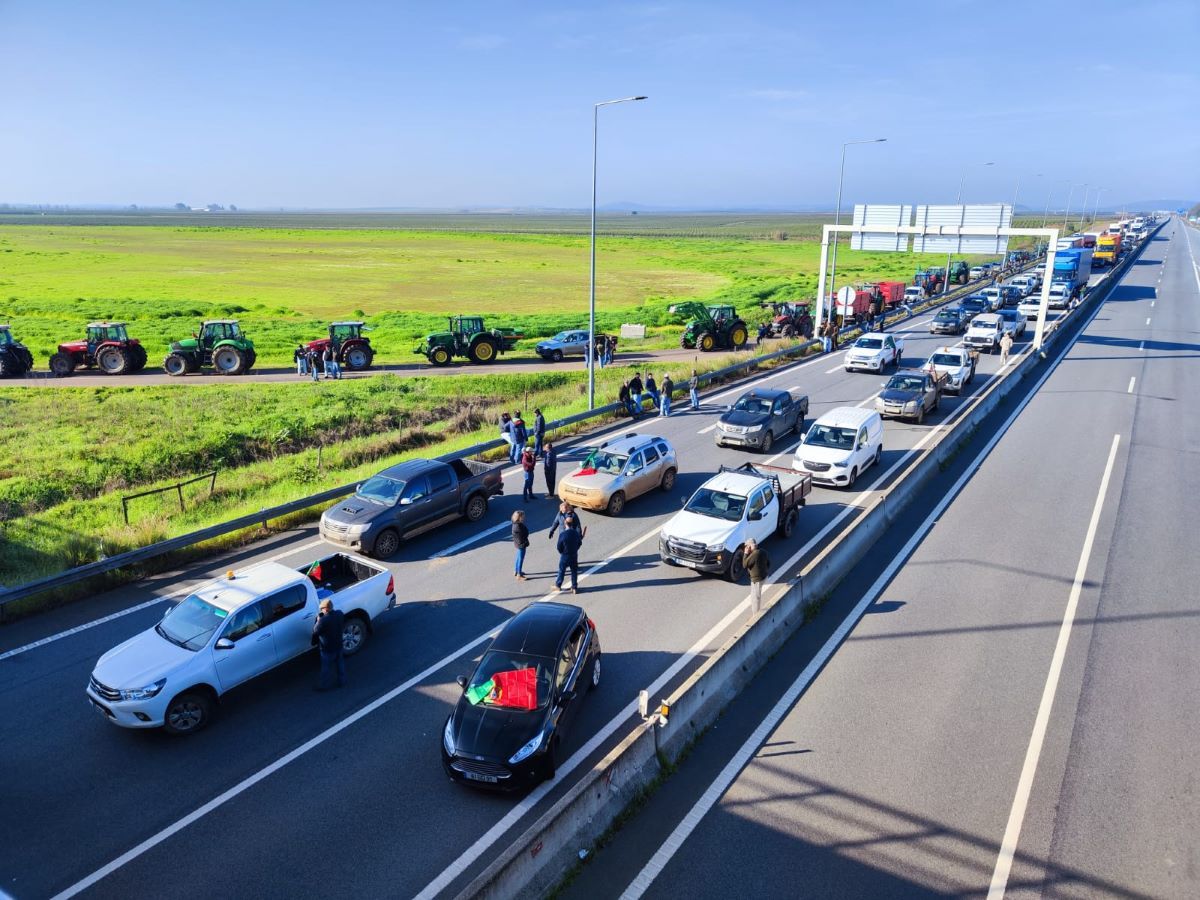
(527, 466)
(327, 637)
(565, 510)
(550, 466)
(520, 435)
(652, 390)
(539, 433)
(668, 388)
(314, 364)
(569, 542)
(520, 536)
(635, 392)
(301, 357)
(758, 564)
(626, 397)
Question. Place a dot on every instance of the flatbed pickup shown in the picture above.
(791, 487)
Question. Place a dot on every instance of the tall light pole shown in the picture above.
(1083, 209)
(1046, 217)
(1067, 212)
(837, 220)
(957, 202)
(1096, 209)
(591, 351)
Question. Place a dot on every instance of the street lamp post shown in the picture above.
(957, 202)
(1096, 209)
(1067, 212)
(1083, 208)
(1049, 196)
(591, 351)
(837, 220)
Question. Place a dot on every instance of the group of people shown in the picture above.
(310, 362)
(633, 394)
(521, 452)
(571, 532)
(604, 349)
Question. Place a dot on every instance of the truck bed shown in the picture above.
(791, 486)
(466, 469)
(338, 571)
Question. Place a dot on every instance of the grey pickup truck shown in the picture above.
(910, 394)
(407, 498)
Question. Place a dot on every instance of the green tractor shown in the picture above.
(219, 344)
(711, 327)
(960, 272)
(467, 337)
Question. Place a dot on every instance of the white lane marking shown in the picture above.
(1012, 832)
(484, 843)
(466, 542)
(708, 429)
(677, 837)
(247, 783)
(16, 651)
(836, 368)
(1152, 302)
(1131, 381)
(1147, 321)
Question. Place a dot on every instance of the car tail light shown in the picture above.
(591, 624)
(391, 588)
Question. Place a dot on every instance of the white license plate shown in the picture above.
(475, 776)
(100, 709)
(684, 562)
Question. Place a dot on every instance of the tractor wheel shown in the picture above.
(228, 360)
(482, 351)
(358, 358)
(789, 331)
(25, 358)
(439, 356)
(685, 343)
(738, 335)
(138, 354)
(113, 360)
(251, 359)
(176, 364)
(62, 365)
(10, 365)
(706, 342)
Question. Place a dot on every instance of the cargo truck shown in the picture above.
(1073, 267)
(1108, 249)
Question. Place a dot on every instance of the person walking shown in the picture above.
(569, 542)
(758, 564)
(327, 638)
(527, 466)
(610, 348)
(668, 388)
(301, 357)
(520, 537)
(694, 390)
(326, 358)
(539, 432)
(565, 509)
(635, 392)
(550, 468)
(652, 390)
(1006, 342)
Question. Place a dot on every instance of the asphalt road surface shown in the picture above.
(1011, 707)
(287, 789)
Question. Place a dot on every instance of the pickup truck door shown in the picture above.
(292, 612)
(763, 502)
(889, 344)
(253, 646)
(783, 412)
(443, 493)
(414, 508)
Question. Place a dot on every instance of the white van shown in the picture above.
(841, 445)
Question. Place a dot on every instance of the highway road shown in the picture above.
(1011, 705)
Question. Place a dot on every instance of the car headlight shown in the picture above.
(356, 530)
(528, 750)
(145, 693)
(911, 404)
(751, 429)
(448, 736)
(840, 465)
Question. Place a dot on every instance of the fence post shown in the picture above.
(212, 485)
(125, 509)
(179, 491)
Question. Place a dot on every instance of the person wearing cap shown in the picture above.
(327, 638)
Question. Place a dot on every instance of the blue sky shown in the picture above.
(360, 104)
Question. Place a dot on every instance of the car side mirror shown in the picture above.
(755, 517)
(462, 681)
(406, 501)
(224, 644)
(779, 412)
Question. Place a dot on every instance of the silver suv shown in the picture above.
(619, 470)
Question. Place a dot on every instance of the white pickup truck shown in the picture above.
(229, 631)
(875, 351)
(752, 501)
(985, 333)
(956, 363)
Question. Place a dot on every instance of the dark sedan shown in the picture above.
(761, 417)
(973, 306)
(509, 726)
(948, 321)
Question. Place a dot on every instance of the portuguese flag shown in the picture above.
(314, 571)
(477, 693)
(516, 689)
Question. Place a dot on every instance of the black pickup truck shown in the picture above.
(408, 498)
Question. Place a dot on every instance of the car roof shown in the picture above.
(632, 442)
(873, 334)
(985, 318)
(959, 349)
(538, 629)
(407, 469)
(846, 417)
(230, 594)
(103, 324)
(771, 394)
(220, 321)
(737, 483)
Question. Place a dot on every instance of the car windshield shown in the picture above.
(868, 343)
(191, 623)
(830, 436)
(519, 681)
(905, 383)
(753, 405)
(602, 461)
(5, 338)
(945, 359)
(381, 489)
(717, 504)
(562, 336)
(947, 316)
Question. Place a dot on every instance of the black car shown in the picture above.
(948, 321)
(1011, 295)
(760, 417)
(510, 724)
(973, 306)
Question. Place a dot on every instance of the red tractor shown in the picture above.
(788, 319)
(353, 350)
(107, 347)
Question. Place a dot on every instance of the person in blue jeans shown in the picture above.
(327, 636)
(570, 539)
(527, 465)
(694, 390)
(520, 536)
(668, 387)
(520, 436)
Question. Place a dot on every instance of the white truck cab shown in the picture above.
(229, 631)
(875, 351)
(841, 445)
(957, 363)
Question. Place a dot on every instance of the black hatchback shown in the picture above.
(510, 724)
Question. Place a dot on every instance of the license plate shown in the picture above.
(684, 562)
(475, 776)
(100, 709)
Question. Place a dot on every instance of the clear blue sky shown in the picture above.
(362, 104)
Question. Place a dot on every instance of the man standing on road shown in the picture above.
(569, 542)
(327, 637)
(539, 432)
(550, 467)
(314, 364)
(758, 564)
(1006, 343)
(301, 357)
(668, 388)
(565, 511)
(694, 390)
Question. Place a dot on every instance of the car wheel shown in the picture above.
(768, 440)
(788, 525)
(386, 544)
(736, 567)
(188, 713)
(668, 480)
(595, 682)
(853, 477)
(616, 503)
(878, 454)
(355, 632)
(556, 356)
(921, 413)
(476, 508)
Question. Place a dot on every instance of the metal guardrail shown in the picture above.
(183, 541)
